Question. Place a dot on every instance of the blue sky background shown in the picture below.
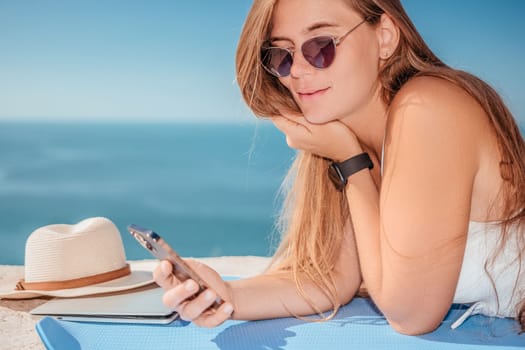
(174, 60)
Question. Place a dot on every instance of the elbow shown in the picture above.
(415, 327)
(414, 318)
(346, 297)
(348, 289)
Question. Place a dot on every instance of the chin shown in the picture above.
(318, 118)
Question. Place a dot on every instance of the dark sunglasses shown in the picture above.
(318, 51)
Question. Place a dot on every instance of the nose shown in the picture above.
(300, 66)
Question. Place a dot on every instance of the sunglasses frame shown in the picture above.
(335, 41)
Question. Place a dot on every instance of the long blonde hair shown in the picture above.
(314, 213)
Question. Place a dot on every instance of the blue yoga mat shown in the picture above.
(358, 325)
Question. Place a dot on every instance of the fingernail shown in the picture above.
(164, 269)
(208, 296)
(228, 308)
(190, 286)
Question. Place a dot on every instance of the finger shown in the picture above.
(193, 309)
(214, 319)
(280, 123)
(292, 115)
(299, 119)
(297, 135)
(177, 295)
(163, 275)
(291, 127)
(286, 123)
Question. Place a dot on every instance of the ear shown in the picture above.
(388, 36)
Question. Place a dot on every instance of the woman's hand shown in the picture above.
(185, 299)
(333, 140)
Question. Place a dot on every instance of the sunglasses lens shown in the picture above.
(277, 61)
(319, 52)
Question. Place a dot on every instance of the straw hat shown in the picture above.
(76, 260)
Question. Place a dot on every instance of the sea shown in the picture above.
(208, 189)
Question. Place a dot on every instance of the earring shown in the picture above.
(386, 54)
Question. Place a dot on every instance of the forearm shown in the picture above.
(388, 289)
(275, 295)
(402, 290)
(363, 201)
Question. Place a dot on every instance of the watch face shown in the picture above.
(337, 178)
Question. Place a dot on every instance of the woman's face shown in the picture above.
(348, 85)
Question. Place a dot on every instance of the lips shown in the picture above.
(307, 94)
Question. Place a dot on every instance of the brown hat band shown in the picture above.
(76, 282)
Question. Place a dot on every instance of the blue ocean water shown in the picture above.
(210, 190)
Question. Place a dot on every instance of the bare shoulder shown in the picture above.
(433, 116)
(439, 107)
(438, 96)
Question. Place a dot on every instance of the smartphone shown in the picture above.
(160, 249)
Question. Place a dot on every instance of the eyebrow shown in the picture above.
(319, 25)
(311, 28)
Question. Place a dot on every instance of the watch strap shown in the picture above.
(355, 164)
(339, 172)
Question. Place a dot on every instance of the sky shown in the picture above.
(143, 60)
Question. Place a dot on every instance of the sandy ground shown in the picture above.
(17, 326)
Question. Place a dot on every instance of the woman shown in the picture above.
(427, 163)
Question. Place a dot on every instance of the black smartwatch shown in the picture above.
(339, 172)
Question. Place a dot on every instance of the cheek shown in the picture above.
(287, 83)
(363, 63)
(355, 89)
(356, 81)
